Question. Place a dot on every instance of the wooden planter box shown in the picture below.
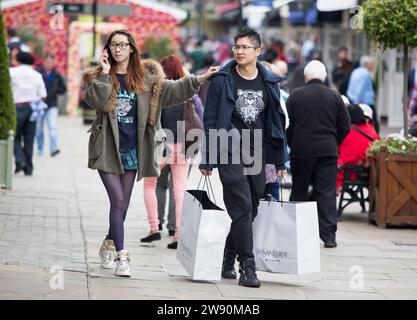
(393, 190)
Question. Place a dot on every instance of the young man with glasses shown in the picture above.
(243, 99)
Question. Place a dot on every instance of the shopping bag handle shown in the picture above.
(207, 183)
(281, 196)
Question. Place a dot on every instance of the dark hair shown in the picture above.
(356, 114)
(270, 55)
(11, 32)
(135, 71)
(25, 58)
(342, 48)
(172, 67)
(250, 33)
(209, 60)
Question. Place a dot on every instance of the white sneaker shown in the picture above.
(107, 254)
(122, 264)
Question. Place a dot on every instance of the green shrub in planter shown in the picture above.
(7, 114)
(7, 108)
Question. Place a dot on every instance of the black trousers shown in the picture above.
(321, 173)
(241, 194)
(25, 132)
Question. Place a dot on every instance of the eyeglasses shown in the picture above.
(244, 48)
(121, 45)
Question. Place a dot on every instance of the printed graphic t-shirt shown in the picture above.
(251, 101)
(126, 107)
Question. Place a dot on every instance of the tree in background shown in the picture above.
(157, 48)
(392, 25)
(7, 108)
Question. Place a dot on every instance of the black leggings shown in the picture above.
(119, 189)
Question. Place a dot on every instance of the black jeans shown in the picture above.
(321, 173)
(241, 194)
(163, 183)
(26, 131)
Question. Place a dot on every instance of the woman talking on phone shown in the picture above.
(128, 94)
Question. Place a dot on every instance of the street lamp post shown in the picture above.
(200, 11)
(94, 27)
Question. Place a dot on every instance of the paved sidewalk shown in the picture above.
(52, 224)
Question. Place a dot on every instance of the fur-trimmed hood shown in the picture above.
(153, 80)
(153, 73)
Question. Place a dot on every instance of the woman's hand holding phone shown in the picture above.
(104, 62)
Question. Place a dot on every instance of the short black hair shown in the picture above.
(250, 33)
(356, 114)
(25, 58)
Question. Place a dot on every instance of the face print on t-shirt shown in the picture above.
(249, 104)
(124, 104)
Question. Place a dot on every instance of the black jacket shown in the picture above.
(220, 103)
(54, 84)
(319, 121)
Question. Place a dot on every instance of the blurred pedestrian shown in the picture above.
(352, 150)
(208, 62)
(412, 124)
(272, 184)
(282, 70)
(412, 89)
(292, 56)
(163, 185)
(361, 89)
(197, 57)
(13, 51)
(412, 79)
(14, 41)
(308, 48)
(55, 85)
(127, 94)
(176, 160)
(342, 70)
(28, 89)
(318, 124)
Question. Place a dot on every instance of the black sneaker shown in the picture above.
(53, 154)
(228, 267)
(330, 244)
(172, 245)
(153, 237)
(19, 168)
(248, 276)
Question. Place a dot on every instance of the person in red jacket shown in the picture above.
(362, 132)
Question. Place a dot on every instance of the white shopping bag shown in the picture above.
(204, 228)
(286, 237)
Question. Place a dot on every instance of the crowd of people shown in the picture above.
(312, 122)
